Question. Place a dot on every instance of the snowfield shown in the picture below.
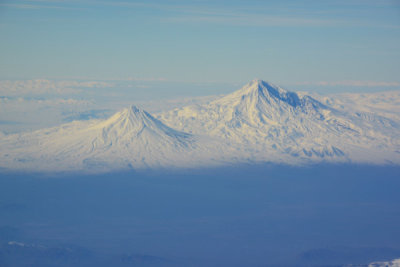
(260, 122)
(393, 263)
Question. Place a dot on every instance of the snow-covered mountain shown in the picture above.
(260, 122)
(272, 120)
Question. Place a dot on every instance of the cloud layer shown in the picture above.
(44, 86)
(352, 83)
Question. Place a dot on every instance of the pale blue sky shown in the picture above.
(294, 43)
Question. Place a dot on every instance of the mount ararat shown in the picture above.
(260, 122)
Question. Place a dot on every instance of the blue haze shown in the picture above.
(263, 215)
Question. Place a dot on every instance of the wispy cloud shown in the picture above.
(41, 4)
(254, 20)
(352, 83)
(256, 15)
(230, 15)
(291, 15)
(22, 6)
(31, 6)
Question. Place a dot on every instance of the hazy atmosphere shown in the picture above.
(200, 133)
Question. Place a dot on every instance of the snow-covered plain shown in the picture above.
(260, 122)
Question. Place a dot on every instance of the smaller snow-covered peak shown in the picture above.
(133, 112)
(135, 109)
(132, 118)
(133, 122)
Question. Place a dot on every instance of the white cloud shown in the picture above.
(22, 114)
(149, 79)
(44, 102)
(43, 86)
(352, 83)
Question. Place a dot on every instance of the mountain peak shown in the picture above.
(133, 116)
(133, 112)
(258, 84)
(260, 89)
(261, 86)
(271, 88)
(134, 123)
(134, 119)
(135, 109)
